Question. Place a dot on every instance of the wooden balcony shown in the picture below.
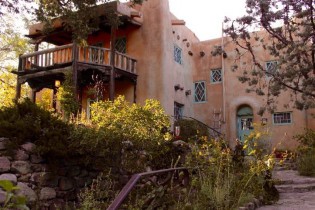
(58, 58)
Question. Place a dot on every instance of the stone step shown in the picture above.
(296, 188)
(292, 177)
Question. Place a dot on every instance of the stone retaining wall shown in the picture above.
(43, 186)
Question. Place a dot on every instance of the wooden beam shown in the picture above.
(24, 78)
(178, 22)
(135, 14)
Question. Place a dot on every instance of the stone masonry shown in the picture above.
(41, 185)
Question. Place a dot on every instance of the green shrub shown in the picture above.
(191, 130)
(26, 122)
(306, 161)
(307, 138)
(99, 195)
(306, 153)
(140, 127)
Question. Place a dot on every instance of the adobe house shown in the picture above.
(154, 55)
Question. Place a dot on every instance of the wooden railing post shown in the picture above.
(75, 70)
(36, 49)
(112, 63)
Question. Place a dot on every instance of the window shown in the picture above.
(200, 91)
(282, 118)
(216, 76)
(178, 54)
(121, 45)
(247, 124)
(271, 67)
(178, 111)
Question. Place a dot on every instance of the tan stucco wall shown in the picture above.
(235, 95)
(153, 47)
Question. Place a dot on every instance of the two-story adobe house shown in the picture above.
(153, 54)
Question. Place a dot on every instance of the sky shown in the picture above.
(205, 17)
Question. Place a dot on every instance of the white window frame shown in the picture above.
(213, 73)
(197, 85)
(282, 120)
(178, 54)
(269, 65)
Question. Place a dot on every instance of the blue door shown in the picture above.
(244, 122)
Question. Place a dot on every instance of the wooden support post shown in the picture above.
(17, 90)
(18, 84)
(112, 63)
(33, 95)
(135, 91)
(75, 70)
(54, 101)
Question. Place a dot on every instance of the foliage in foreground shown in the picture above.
(130, 138)
(218, 180)
(114, 126)
(12, 201)
(306, 153)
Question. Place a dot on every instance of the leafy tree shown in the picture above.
(76, 14)
(288, 35)
(12, 44)
(15, 6)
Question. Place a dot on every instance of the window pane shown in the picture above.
(178, 54)
(216, 76)
(271, 67)
(200, 91)
(120, 45)
(282, 118)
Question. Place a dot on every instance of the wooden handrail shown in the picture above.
(47, 51)
(135, 178)
(63, 55)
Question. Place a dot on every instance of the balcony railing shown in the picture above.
(64, 55)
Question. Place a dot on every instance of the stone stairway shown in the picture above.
(296, 192)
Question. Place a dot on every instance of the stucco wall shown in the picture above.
(231, 94)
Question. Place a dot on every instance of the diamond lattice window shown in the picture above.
(178, 55)
(282, 118)
(271, 67)
(216, 76)
(121, 45)
(200, 91)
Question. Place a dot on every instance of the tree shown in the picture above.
(289, 27)
(76, 14)
(12, 44)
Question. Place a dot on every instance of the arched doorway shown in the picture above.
(244, 122)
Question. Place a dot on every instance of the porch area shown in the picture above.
(43, 68)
